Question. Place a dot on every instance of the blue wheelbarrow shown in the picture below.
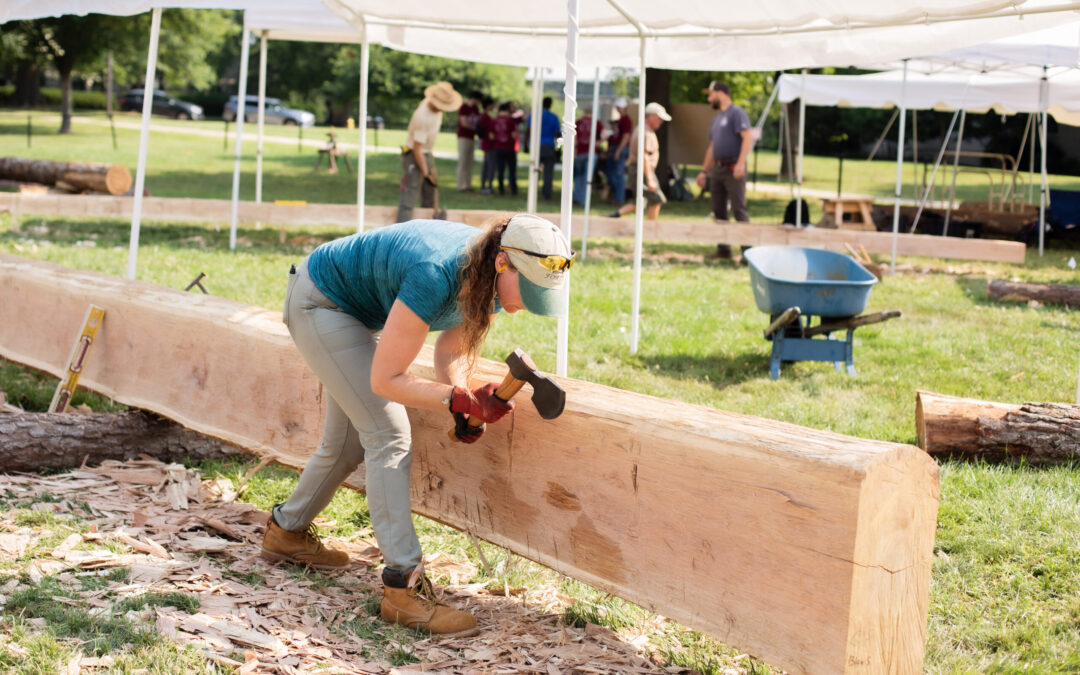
(795, 285)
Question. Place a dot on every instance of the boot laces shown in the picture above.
(424, 591)
(312, 534)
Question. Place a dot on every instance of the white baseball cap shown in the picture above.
(655, 108)
(621, 102)
(541, 254)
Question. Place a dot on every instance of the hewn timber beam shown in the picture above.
(705, 232)
(806, 548)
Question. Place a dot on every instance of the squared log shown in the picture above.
(806, 548)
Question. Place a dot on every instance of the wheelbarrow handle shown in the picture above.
(787, 316)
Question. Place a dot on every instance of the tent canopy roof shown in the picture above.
(1000, 93)
(693, 34)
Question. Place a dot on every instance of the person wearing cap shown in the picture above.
(655, 115)
(724, 168)
(419, 178)
(618, 151)
(359, 310)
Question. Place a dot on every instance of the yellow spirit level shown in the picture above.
(66, 389)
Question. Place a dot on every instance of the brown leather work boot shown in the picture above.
(417, 607)
(300, 548)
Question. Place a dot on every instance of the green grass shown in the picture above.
(1005, 589)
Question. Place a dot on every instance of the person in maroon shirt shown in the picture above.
(468, 116)
(504, 136)
(487, 146)
(581, 153)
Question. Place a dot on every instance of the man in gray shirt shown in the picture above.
(730, 140)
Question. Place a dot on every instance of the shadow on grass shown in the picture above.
(718, 370)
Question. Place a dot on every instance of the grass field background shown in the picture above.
(1005, 594)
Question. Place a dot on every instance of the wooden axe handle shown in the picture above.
(508, 388)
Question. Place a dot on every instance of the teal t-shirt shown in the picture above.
(416, 262)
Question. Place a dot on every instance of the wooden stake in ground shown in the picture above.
(34, 441)
(1038, 433)
(1048, 294)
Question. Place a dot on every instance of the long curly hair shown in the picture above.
(476, 288)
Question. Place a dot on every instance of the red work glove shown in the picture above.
(482, 403)
(464, 432)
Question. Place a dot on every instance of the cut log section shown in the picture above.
(1048, 294)
(35, 441)
(1038, 433)
(108, 178)
(806, 548)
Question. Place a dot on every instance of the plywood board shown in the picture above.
(705, 231)
(809, 549)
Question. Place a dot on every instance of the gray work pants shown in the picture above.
(413, 185)
(725, 187)
(360, 426)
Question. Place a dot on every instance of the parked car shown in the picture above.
(276, 113)
(163, 105)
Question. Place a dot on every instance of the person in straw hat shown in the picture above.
(417, 160)
(359, 310)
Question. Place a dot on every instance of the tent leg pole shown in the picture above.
(1042, 161)
(1031, 161)
(955, 169)
(361, 123)
(780, 144)
(881, 138)
(899, 171)
(569, 130)
(241, 111)
(639, 211)
(144, 140)
(534, 139)
(590, 163)
(262, 122)
(799, 167)
(933, 175)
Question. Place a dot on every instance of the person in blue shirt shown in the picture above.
(550, 129)
(359, 310)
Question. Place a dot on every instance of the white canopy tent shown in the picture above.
(693, 35)
(1007, 91)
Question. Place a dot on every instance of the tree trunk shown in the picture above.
(65, 100)
(110, 178)
(788, 169)
(1050, 294)
(1038, 433)
(35, 441)
(27, 84)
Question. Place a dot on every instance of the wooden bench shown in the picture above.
(859, 210)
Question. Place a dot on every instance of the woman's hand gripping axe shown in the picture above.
(548, 397)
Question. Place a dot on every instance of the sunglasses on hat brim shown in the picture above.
(552, 263)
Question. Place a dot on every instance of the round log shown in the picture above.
(109, 178)
(35, 441)
(1048, 294)
(1038, 433)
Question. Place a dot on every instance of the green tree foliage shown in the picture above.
(397, 81)
(77, 45)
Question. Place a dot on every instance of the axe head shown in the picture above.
(548, 397)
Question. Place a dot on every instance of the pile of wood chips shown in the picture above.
(183, 532)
